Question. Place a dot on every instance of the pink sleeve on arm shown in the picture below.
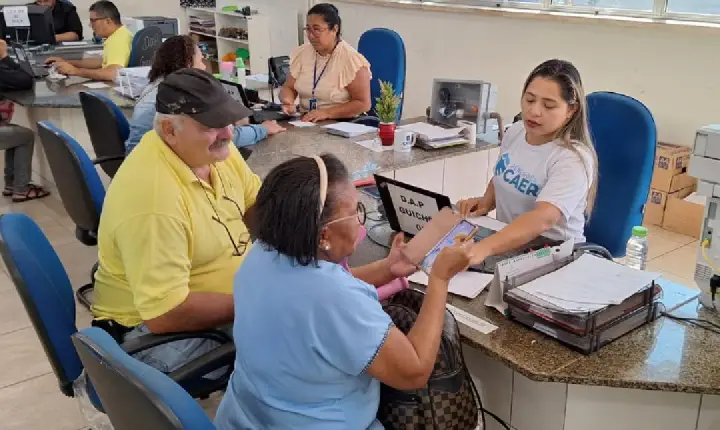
(391, 288)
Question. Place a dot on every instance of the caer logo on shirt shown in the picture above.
(512, 174)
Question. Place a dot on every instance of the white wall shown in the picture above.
(674, 71)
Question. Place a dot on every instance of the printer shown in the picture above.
(168, 26)
(705, 166)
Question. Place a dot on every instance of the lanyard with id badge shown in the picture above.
(316, 79)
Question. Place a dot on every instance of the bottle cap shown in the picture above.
(640, 231)
(239, 63)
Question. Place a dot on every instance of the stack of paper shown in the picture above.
(466, 284)
(432, 133)
(588, 284)
(349, 129)
(132, 81)
(523, 264)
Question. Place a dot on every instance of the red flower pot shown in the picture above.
(387, 134)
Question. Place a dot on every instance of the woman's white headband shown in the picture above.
(323, 183)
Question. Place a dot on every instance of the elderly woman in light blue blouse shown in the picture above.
(179, 52)
(313, 342)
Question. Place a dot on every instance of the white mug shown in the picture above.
(404, 140)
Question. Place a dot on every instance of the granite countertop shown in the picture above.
(48, 94)
(666, 355)
(360, 161)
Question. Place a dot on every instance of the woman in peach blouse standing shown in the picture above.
(329, 76)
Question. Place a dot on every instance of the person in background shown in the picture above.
(105, 22)
(330, 77)
(68, 26)
(176, 53)
(546, 176)
(17, 142)
(172, 232)
(313, 341)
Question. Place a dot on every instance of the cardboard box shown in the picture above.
(670, 172)
(683, 216)
(655, 207)
(657, 202)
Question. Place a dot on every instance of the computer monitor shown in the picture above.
(42, 29)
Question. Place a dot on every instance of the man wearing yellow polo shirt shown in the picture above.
(105, 22)
(172, 231)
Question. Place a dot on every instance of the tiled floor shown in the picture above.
(29, 393)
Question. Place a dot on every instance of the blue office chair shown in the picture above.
(135, 395)
(47, 295)
(108, 129)
(144, 44)
(623, 131)
(385, 50)
(81, 190)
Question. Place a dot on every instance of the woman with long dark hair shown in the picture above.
(546, 176)
(179, 52)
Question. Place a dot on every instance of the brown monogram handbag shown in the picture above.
(448, 401)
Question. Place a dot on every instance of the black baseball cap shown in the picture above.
(197, 94)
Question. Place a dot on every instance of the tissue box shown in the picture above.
(685, 215)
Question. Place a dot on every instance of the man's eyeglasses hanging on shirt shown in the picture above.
(240, 246)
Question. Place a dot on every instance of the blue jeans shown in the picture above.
(171, 356)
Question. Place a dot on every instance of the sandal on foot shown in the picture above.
(7, 192)
(33, 192)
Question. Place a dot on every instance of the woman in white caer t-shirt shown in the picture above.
(546, 175)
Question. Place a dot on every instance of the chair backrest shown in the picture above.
(78, 183)
(623, 131)
(45, 290)
(135, 395)
(385, 50)
(107, 126)
(144, 44)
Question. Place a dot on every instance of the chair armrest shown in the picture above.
(148, 341)
(222, 356)
(105, 159)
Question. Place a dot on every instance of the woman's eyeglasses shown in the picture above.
(241, 245)
(316, 30)
(361, 215)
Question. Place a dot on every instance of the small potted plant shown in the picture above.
(386, 110)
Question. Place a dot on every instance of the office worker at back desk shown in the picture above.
(105, 22)
(546, 176)
(329, 76)
(68, 26)
(172, 232)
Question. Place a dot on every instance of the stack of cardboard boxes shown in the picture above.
(671, 185)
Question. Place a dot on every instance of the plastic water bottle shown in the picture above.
(637, 249)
